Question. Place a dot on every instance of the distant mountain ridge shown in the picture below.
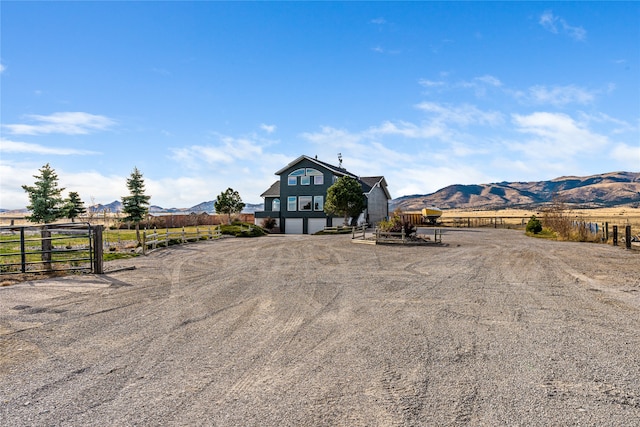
(604, 190)
(208, 207)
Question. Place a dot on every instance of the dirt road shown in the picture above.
(493, 329)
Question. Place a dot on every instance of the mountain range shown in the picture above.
(604, 190)
(208, 207)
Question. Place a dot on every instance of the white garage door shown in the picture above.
(293, 225)
(316, 224)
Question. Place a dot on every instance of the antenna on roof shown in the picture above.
(340, 160)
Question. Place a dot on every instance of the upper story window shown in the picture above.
(275, 205)
(307, 176)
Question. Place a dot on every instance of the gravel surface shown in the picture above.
(490, 329)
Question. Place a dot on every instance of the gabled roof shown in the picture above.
(273, 191)
(370, 182)
(335, 169)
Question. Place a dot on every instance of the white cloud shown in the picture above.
(407, 130)
(332, 137)
(627, 155)
(8, 146)
(621, 126)
(554, 24)
(463, 115)
(480, 85)
(560, 95)
(379, 49)
(489, 80)
(432, 83)
(556, 135)
(226, 150)
(378, 21)
(549, 22)
(268, 128)
(2, 68)
(69, 123)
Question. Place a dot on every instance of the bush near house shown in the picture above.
(395, 224)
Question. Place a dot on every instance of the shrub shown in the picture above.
(240, 229)
(268, 223)
(396, 225)
(534, 225)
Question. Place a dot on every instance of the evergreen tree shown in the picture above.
(74, 206)
(44, 197)
(136, 205)
(228, 202)
(345, 198)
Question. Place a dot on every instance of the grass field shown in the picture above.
(614, 216)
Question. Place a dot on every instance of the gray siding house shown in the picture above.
(296, 199)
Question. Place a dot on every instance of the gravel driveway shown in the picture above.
(492, 329)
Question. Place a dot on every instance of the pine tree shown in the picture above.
(74, 206)
(228, 202)
(136, 205)
(44, 196)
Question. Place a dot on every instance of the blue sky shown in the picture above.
(201, 96)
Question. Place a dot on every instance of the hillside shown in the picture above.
(604, 190)
(208, 207)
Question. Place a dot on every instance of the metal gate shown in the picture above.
(51, 247)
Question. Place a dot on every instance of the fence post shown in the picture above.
(627, 238)
(98, 250)
(183, 234)
(144, 242)
(615, 235)
(606, 231)
(23, 256)
(45, 233)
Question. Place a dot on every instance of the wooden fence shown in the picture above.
(155, 239)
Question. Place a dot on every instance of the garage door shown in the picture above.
(293, 225)
(316, 224)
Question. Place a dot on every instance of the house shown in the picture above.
(296, 200)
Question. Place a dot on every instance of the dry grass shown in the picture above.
(614, 216)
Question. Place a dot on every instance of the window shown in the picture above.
(304, 203)
(305, 177)
(318, 203)
(291, 203)
(275, 205)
